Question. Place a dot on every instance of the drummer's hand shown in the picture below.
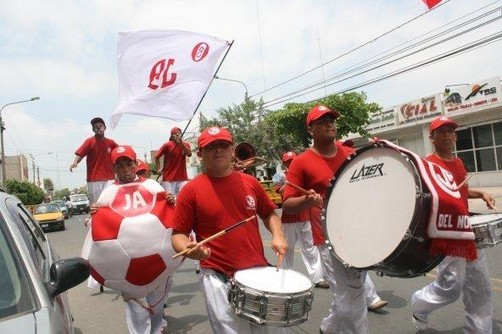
(170, 198)
(489, 200)
(197, 252)
(313, 198)
(279, 245)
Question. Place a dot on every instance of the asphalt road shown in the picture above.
(96, 312)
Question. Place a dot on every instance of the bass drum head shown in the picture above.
(370, 206)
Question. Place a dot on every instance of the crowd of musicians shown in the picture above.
(221, 196)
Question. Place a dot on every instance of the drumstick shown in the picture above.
(279, 262)
(493, 207)
(214, 236)
(463, 182)
(305, 192)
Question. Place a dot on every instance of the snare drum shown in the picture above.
(266, 296)
(487, 229)
(376, 213)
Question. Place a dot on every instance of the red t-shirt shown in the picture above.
(457, 169)
(286, 218)
(99, 161)
(310, 170)
(175, 167)
(209, 205)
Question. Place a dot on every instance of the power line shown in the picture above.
(452, 53)
(350, 51)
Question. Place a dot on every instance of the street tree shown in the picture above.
(274, 132)
(26, 191)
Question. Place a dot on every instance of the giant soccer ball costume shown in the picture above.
(129, 242)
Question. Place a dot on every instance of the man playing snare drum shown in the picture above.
(456, 274)
(212, 202)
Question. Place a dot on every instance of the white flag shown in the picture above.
(164, 73)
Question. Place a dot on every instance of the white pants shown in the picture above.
(139, 320)
(221, 315)
(348, 310)
(456, 276)
(302, 232)
(95, 188)
(173, 187)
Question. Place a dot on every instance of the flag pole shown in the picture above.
(202, 98)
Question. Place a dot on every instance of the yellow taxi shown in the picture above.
(49, 216)
(268, 185)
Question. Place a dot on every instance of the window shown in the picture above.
(480, 147)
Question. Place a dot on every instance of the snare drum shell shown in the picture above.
(487, 229)
(266, 296)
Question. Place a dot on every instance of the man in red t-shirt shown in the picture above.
(297, 227)
(97, 149)
(456, 275)
(313, 170)
(100, 172)
(174, 172)
(212, 202)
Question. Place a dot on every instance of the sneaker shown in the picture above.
(420, 324)
(377, 305)
(322, 285)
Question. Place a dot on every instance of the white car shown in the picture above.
(33, 278)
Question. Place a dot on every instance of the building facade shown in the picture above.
(476, 107)
(16, 168)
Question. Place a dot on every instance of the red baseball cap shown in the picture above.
(175, 130)
(212, 134)
(319, 111)
(288, 156)
(142, 166)
(123, 151)
(440, 121)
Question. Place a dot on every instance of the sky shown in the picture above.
(65, 52)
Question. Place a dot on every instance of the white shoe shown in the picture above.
(420, 324)
(377, 305)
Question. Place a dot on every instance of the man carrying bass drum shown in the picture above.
(313, 170)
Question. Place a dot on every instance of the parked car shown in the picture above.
(64, 208)
(268, 185)
(49, 216)
(79, 203)
(33, 278)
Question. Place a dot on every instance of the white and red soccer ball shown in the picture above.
(129, 242)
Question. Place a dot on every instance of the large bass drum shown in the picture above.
(376, 212)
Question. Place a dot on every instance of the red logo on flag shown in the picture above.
(200, 51)
(159, 75)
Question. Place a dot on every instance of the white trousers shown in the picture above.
(139, 320)
(456, 276)
(95, 188)
(302, 232)
(221, 314)
(348, 310)
(173, 187)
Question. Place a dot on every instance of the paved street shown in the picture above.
(104, 313)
